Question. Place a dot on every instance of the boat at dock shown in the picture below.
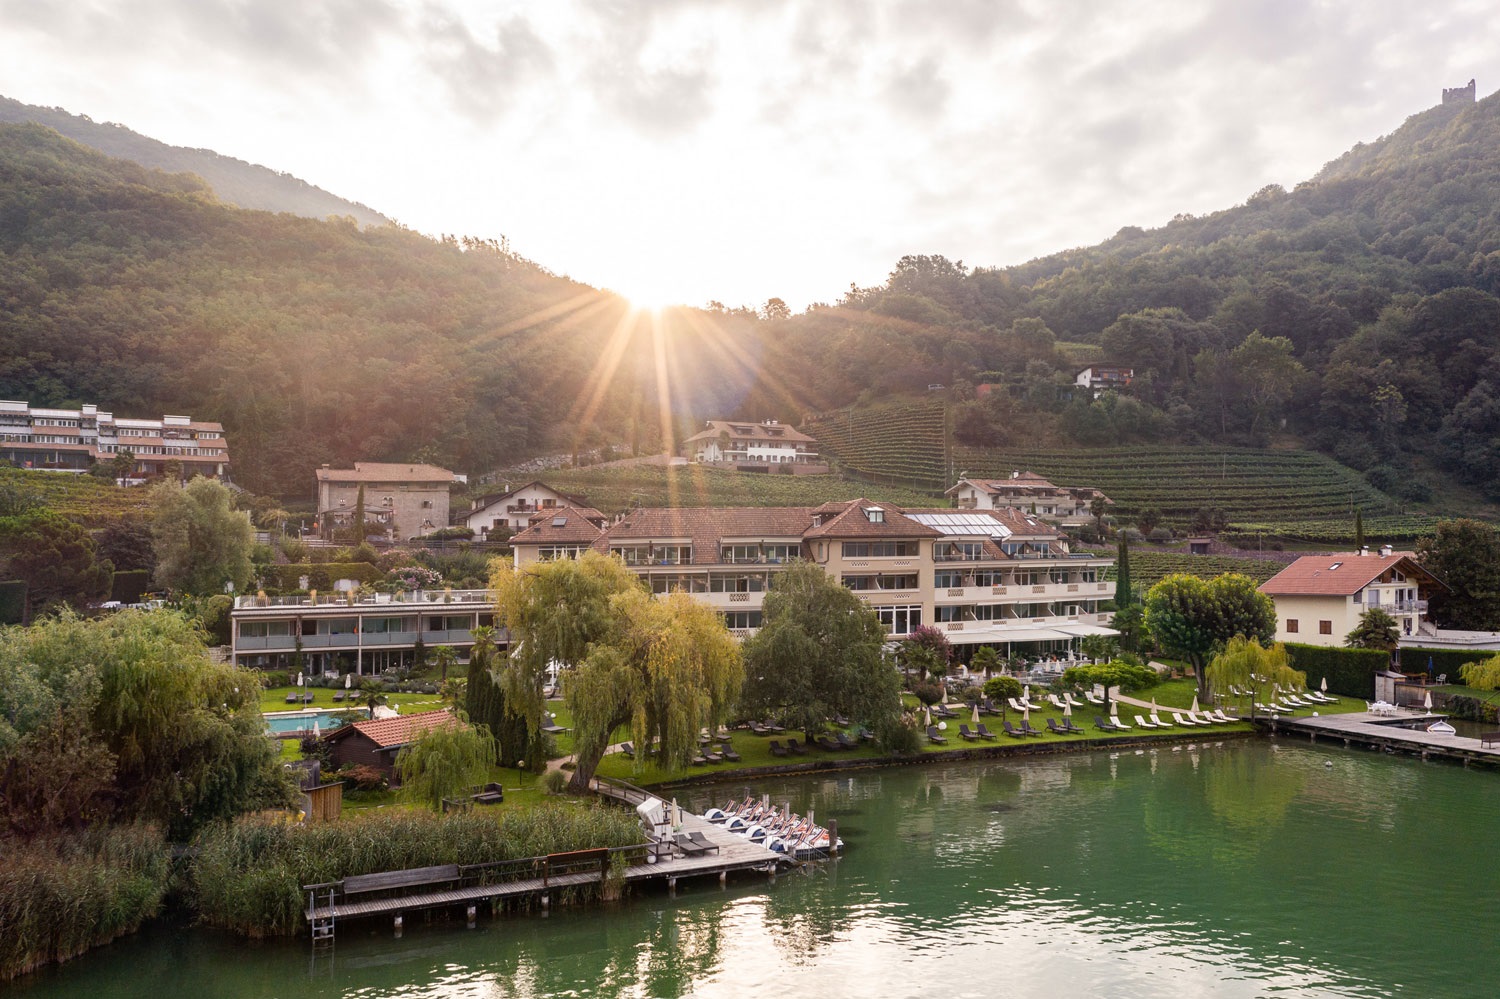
(777, 829)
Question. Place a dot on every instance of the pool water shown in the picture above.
(302, 721)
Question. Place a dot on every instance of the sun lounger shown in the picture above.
(1068, 698)
(1159, 723)
(1069, 727)
(1012, 731)
(1198, 719)
(845, 741)
(628, 749)
(1177, 717)
(1143, 723)
(933, 736)
(1055, 727)
(1055, 701)
(727, 751)
(1220, 716)
(1026, 728)
(1015, 704)
(307, 698)
(777, 749)
(865, 735)
(1115, 720)
(826, 744)
(758, 729)
(689, 848)
(963, 730)
(796, 747)
(703, 841)
(841, 721)
(339, 695)
(1106, 725)
(292, 697)
(983, 732)
(1088, 695)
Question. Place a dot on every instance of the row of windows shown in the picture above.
(1293, 627)
(742, 619)
(346, 626)
(759, 553)
(655, 554)
(954, 578)
(1009, 612)
(900, 620)
(881, 549)
(880, 581)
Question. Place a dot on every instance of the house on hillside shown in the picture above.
(755, 447)
(1099, 378)
(376, 743)
(1319, 598)
(401, 500)
(504, 513)
(1068, 506)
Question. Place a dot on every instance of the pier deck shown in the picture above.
(1387, 732)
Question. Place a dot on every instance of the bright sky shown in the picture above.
(684, 151)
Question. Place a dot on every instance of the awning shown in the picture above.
(1081, 630)
(1002, 634)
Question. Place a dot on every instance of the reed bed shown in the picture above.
(62, 897)
(248, 874)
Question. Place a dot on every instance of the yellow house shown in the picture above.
(1319, 598)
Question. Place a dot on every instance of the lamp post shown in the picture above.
(520, 769)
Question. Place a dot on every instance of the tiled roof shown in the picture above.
(560, 526)
(750, 430)
(573, 499)
(855, 522)
(380, 471)
(398, 731)
(1341, 574)
(571, 510)
(705, 527)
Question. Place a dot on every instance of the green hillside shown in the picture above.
(1147, 566)
(618, 488)
(899, 444)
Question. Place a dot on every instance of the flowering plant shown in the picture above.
(416, 577)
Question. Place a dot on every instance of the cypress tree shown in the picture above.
(359, 515)
(1124, 596)
(1359, 529)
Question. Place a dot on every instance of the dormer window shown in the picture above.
(875, 515)
(1334, 566)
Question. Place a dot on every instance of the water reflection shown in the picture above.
(1242, 869)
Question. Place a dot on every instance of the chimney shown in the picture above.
(1364, 550)
(1386, 551)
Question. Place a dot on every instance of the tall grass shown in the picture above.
(248, 874)
(59, 898)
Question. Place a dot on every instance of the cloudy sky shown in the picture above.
(691, 150)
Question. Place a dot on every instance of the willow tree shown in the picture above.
(670, 669)
(444, 762)
(555, 612)
(1248, 665)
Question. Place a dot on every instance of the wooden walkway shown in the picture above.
(1386, 732)
(648, 864)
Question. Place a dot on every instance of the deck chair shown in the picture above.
(1177, 717)
(728, 753)
(983, 732)
(1055, 727)
(703, 841)
(777, 749)
(1143, 723)
(339, 695)
(1012, 731)
(1069, 727)
(1026, 728)
(689, 848)
(628, 749)
(1015, 704)
(1159, 723)
(933, 736)
(1220, 716)
(1121, 726)
(796, 747)
(963, 730)
(844, 740)
(291, 698)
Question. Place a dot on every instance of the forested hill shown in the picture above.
(1356, 312)
(236, 182)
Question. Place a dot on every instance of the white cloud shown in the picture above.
(743, 149)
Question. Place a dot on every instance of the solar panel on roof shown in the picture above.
(559, 521)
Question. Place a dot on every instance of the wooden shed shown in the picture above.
(375, 743)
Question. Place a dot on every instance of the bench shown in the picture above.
(1489, 739)
(489, 794)
(416, 877)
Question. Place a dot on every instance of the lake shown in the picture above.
(1243, 868)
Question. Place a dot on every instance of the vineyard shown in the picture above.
(1248, 484)
(897, 444)
(616, 488)
(84, 499)
(1146, 566)
(1396, 530)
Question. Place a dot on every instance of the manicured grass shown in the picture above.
(274, 699)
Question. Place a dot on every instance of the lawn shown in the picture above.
(274, 699)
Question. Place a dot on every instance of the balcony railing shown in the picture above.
(403, 598)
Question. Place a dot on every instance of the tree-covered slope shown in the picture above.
(236, 182)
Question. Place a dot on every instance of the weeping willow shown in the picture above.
(1244, 663)
(671, 669)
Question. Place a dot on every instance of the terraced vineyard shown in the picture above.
(616, 488)
(1397, 530)
(1146, 567)
(1249, 485)
(81, 498)
(898, 444)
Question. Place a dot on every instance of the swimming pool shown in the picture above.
(284, 722)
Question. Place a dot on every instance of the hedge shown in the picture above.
(1350, 672)
(129, 585)
(1448, 661)
(12, 601)
(319, 577)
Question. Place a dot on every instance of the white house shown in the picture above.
(746, 442)
(1319, 598)
(513, 509)
(1069, 506)
(1100, 378)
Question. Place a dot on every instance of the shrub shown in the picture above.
(1350, 672)
(275, 678)
(358, 777)
(12, 601)
(927, 693)
(129, 585)
(1448, 661)
(555, 781)
(998, 688)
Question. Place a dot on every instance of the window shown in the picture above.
(954, 612)
(958, 550)
(742, 620)
(947, 578)
(736, 584)
(900, 620)
(758, 552)
(1089, 575)
(880, 549)
(1325, 627)
(549, 553)
(678, 584)
(1291, 626)
(386, 625)
(265, 629)
(655, 554)
(875, 515)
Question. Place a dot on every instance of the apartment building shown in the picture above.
(993, 577)
(340, 633)
(70, 440)
(1068, 506)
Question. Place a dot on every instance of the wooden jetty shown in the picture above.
(1389, 733)
(660, 861)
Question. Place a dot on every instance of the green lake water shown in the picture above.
(1247, 868)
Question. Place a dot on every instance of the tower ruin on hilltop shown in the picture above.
(1459, 95)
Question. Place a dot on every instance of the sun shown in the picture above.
(650, 296)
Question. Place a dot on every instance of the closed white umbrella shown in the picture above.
(1194, 708)
(316, 733)
(975, 717)
(1067, 709)
(1324, 685)
(348, 679)
(1427, 701)
(1114, 709)
(926, 715)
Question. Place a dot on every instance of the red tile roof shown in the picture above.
(855, 522)
(750, 430)
(1341, 574)
(706, 527)
(559, 526)
(390, 732)
(380, 471)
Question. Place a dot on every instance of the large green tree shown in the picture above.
(484, 700)
(1376, 630)
(555, 612)
(818, 654)
(1464, 554)
(669, 669)
(1246, 664)
(1190, 617)
(56, 559)
(445, 762)
(202, 542)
